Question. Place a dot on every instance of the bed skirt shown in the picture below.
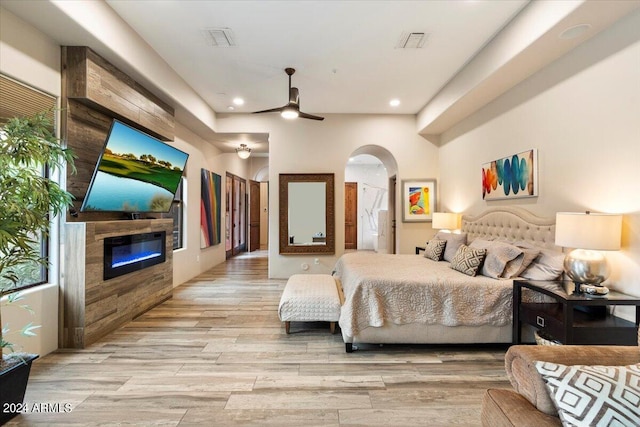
(419, 333)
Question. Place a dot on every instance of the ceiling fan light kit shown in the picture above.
(292, 109)
(289, 113)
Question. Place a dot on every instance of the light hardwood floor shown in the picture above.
(217, 355)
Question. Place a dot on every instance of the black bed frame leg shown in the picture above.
(348, 347)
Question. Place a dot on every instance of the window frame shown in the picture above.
(20, 99)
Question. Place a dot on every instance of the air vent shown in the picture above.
(412, 40)
(219, 37)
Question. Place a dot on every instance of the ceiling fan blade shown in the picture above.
(271, 110)
(309, 116)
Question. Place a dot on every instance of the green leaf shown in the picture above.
(27, 330)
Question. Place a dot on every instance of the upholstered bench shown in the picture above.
(310, 298)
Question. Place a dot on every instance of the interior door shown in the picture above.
(236, 218)
(351, 215)
(228, 216)
(239, 215)
(392, 215)
(254, 216)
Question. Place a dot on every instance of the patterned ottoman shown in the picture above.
(310, 298)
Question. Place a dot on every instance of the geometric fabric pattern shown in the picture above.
(594, 395)
(468, 260)
(435, 249)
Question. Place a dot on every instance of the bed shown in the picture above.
(412, 299)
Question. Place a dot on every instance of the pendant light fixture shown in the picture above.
(243, 151)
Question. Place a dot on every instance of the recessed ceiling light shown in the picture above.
(574, 32)
(231, 107)
(394, 102)
(238, 101)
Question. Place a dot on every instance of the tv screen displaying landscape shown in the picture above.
(135, 173)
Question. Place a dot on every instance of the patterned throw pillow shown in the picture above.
(435, 249)
(594, 395)
(468, 260)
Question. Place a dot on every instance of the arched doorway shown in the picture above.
(370, 200)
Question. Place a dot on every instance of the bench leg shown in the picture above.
(287, 326)
(332, 327)
(348, 347)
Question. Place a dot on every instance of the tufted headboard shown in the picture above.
(511, 223)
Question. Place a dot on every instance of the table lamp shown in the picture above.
(446, 221)
(588, 234)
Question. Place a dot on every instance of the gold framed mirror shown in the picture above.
(307, 213)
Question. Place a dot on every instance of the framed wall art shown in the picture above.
(418, 200)
(511, 177)
(210, 204)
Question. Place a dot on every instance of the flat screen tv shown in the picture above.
(136, 173)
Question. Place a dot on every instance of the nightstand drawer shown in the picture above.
(544, 316)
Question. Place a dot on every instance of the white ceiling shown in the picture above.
(343, 51)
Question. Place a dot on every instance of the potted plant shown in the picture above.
(28, 199)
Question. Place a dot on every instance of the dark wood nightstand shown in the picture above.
(418, 249)
(574, 318)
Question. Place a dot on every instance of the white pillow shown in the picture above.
(549, 265)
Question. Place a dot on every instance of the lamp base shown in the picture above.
(586, 267)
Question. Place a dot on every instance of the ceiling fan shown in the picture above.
(292, 109)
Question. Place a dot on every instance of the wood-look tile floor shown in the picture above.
(216, 354)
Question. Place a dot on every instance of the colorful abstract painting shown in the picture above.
(418, 200)
(210, 208)
(511, 177)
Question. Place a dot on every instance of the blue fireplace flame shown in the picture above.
(126, 254)
(127, 259)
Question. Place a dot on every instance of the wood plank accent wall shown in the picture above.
(94, 307)
(94, 92)
(98, 84)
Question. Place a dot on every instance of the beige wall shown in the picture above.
(582, 114)
(307, 146)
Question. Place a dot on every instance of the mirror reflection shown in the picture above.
(307, 201)
(307, 213)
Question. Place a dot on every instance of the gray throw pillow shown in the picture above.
(454, 240)
(498, 255)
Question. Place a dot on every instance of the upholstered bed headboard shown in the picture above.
(511, 223)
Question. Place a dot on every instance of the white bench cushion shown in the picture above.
(310, 298)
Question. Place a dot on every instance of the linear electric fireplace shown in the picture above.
(126, 254)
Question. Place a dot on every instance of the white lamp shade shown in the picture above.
(446, 220)
(597, 231)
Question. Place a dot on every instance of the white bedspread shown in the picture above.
(401, 289)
